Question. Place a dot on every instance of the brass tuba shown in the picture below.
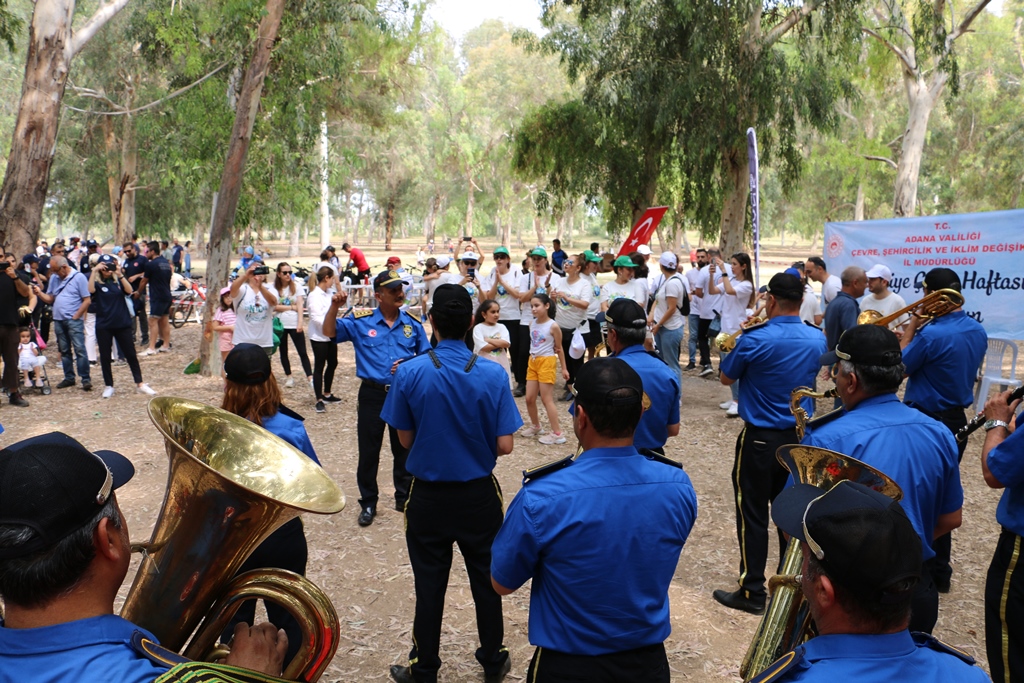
(786, 621)
(230, 484)
(934, 305)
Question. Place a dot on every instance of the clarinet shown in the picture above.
(980, 419)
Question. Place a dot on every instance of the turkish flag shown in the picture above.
(642, 231)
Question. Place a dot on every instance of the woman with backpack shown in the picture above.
(665, 319)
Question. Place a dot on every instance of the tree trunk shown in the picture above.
(469, 207)
(113, 170)
(519, 234)
(435, 208)
(560, 227)
(921, 98)
(858, 207)
(505, 232)
(129, 178)
(293, 244)
(51, 47)
(538, 228)
(325, 209)
(234, 167)
(663, 244)
(570, 224)
(734, 210)
(389, 223)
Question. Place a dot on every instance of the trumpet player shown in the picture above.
(64, 552)
(942, 361)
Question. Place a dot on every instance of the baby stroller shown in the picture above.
(42, 380)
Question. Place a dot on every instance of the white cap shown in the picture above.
(643, 250)
(878, 270)
(443, 261)
(469, 256)
(667, 260)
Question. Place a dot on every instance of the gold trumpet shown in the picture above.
(934, 305)
(230, 484)
(786, 621)
(727, 342)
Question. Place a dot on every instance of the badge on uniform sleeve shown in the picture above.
(371, 332)
(407, 331)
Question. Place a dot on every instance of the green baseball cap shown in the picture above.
(623, 262)
(591, 256)
(501, 250)
(539, 251)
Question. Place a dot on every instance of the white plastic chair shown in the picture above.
(992, 370)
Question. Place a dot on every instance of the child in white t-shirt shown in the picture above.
(29, 359)
(491, 339)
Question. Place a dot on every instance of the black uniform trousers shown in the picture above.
(370, 432)
(515, 342)
(648, 664)
(757, 478)
(1004, 610)
(437, 516)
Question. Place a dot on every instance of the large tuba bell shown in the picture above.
(786, 621)
(934, 305)
(230, 484)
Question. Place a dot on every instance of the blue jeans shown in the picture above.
(668, 342)
(71, 336)
(694, 323)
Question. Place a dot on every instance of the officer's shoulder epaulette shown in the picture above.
(155, 652)
(755, 326)
(415, 316)
(824, 419)
(663, 460)
(361, 312)
(932, 643)
(546, 469)
(776, 671)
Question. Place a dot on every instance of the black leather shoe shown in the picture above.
(402, 674)
(65, 383)
(736, 600)
(366, 517)
(18, 400)
(400, 507)
(519, 391)
(941, 582)
(87, 386)
(500, 676)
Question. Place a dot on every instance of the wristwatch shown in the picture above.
(992, 424)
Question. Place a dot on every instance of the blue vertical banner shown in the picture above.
(755, 204)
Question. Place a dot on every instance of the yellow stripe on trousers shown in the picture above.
(1002, 609)
(739, 507)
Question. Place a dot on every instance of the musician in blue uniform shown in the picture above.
(64, 553)
(860, 568)
(456, 416)
(942, 361)
(626, 325)
(382, 338)
(600, 535)
(771, 359)
(917, 451)
(1002, 464)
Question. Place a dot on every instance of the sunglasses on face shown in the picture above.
(570, 263)
(470, 263)
(285, 272)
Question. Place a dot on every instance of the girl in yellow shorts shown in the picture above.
(545, 348)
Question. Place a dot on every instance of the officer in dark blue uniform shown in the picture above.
(600, 535)
(382, 338)
(1002, 463)
(912, 448)
(626, 325)
(942, 361)
(771, 359)
(860, 567)
(456, 416)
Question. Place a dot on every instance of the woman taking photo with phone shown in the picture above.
(737, 284)
(290, 312)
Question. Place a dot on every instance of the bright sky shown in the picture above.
(459, 16)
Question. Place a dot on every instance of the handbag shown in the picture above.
(578, 346)
(278, 333)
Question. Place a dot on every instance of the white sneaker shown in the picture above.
(145, 389)
(734, 409)
(724, 405)
(108, 392)
(532, 430)
(289, 383)
(163, 349)
(148, 352)
(552, 439)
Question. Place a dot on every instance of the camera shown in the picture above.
(261, 270)
(472, 273)
(467, 238)
(4, 265)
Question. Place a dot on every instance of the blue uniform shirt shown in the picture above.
(662, 386)
(918, 452)
(600, 539)
(772, 360)
(457, 416)
(942, 360)
(93, 649)
(378, 346)
(1006, 463)
(291, 429)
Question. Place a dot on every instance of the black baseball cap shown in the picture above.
(389, 279)
(452, 299)
(247, 364)
(55, 485)
(601, 377)
(624, 312)
(941, 278)
(91, 243)
(107, 259)
(785, 286)
(29, 258)
(866, 345)
(862, 538)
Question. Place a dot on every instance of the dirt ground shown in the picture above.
(366, 571)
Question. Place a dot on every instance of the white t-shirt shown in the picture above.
(830, 288)
(527, 283)
(810, 306)
(508, 303)
(254, 321)
(673, 287)
(692, 277)
(710, 302)
(289, 318)
(631, 290)
(568, 316)
(595, 296)
(890, 304)
(483, 333)
(443, 278)
(734, 307)
(317, 303)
